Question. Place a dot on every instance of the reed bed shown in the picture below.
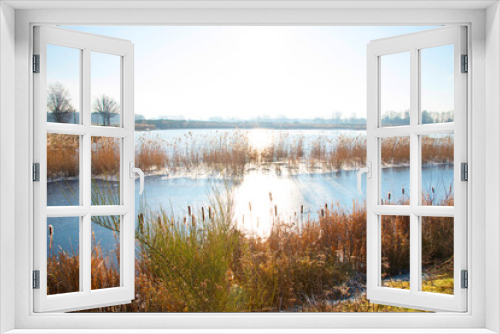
(62, 155)
(233, 152)
(205, 263)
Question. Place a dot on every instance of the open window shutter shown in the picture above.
(81, 131)
(418, 292)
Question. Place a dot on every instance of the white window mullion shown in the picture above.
(67, 129)
(127, 233)
(415, 172)
(435, 128)
(373, 155)
(86, 181)
(406, 210)
(396, 131)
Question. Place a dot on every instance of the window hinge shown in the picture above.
(36, 63)
(465, 64)
(465, 279)
(464, 171)
(36, 279)
(36, 172)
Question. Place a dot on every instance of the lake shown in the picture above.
(259, 193)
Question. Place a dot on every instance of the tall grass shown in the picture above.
(204, 263)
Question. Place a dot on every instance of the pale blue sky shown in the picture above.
(245, 72)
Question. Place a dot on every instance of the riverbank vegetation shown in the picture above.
(235, 151)
(205, 263)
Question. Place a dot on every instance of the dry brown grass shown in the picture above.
(62, 155)
(205, 264)
(232, 152)
(151, 154)
(105, 156)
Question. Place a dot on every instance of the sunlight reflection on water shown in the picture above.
(261, 199)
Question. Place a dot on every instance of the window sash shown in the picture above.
(86, 297)
(414, 298)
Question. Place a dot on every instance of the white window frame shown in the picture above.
(86, 44)
(413, 44)
(484, 46)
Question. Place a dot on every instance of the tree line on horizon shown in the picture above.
(60, 109)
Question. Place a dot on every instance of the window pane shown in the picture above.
(395, 235)
(437, 84)
(106, 171)
(395, 171)
(105, 89)
(437, 254)
(63, 262)
(63, 84)
(437, 169)
(105, 252)
(395, 89)
(63, 170)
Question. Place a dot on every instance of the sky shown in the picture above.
(255, 71)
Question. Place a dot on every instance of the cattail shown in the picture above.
(389, 195)
(403, 190)
(203, 213)
(276, 210)
(189, 210)
(51, 233)
(433, 190)
(193, 220)
(209, 212)
(250, 206)
(141, 222)
(301, 209)
(271, 196)
(322, 213)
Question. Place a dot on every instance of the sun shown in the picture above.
(260, 139)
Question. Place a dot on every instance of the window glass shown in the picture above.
(63, 255)
(395, 171)
(437, 84)
(438, 169)
(395, 266)
(437, 255)
(395, 89)
(105, 252)
(106, 171)
(105, 89)
(63, 170)
(63, 84)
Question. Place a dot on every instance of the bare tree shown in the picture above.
(105, 106)
(59, 103)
